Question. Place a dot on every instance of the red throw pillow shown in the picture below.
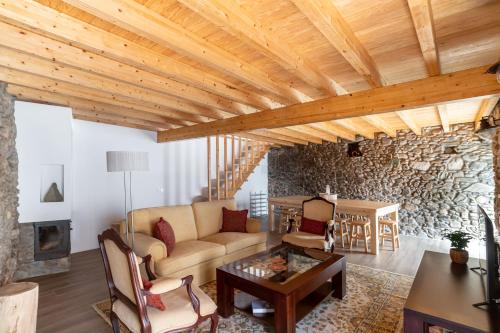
(234, 220)
(153, 301)
(312, 226)
(164, 232)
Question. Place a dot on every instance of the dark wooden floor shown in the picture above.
(66, 299)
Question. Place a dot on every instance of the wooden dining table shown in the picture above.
(371, 209)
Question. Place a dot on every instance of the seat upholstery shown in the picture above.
(308, 240)
(234, 241)
(188, 253)
(208, 215)
(319, 210)
(179, 312)
(181, 218)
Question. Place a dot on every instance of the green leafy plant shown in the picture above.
(459, 239)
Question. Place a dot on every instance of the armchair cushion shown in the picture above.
(145, 245)
(179, 314)
(234, 241)
(234, 220)
(307, 240)
(312, 226)
(164, 232)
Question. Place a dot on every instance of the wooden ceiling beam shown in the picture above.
(487, 105)
(61, 53)
(409, 95)
(230, 17)
(443, 116)
(352, 125)
(410, 121)
(137, 18)
(23, 62)
(296, 134)
(310, 130)
(421, 14)
(279, 136)
(35, 95)
(117, 118)
(122, 123)
(21, 78)
(335, 130)
(381, 125)
(258, 137)
(39, 18)
(326, 18)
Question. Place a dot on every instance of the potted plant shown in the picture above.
(459, 241)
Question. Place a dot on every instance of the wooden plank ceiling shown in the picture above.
(163, 65)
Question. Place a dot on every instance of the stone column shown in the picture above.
(9, 228)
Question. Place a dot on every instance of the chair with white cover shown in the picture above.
(186, 305)
(318, 209)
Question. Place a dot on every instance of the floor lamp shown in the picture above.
(127, 161)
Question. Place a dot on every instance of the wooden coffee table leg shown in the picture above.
(284, 314)
(339, 282)
(225, 297)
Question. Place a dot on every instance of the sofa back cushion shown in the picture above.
(181, 219)
(208, 215)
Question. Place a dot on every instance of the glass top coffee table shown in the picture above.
(292, 279)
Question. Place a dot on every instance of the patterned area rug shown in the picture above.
(374, 303)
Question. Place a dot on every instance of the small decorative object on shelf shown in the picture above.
(459, 241)
(261, 307)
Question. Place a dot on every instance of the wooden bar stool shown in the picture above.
(392, 234)
(343, 228)
(288, 216)
(365, 234)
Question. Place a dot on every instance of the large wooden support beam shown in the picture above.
(421, 14)
(485, 109)
(326, 18)
(231, 17)
(404, 96)
(41, 18)
(149, 24)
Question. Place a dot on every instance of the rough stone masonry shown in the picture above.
(9, 229)
(438, 178)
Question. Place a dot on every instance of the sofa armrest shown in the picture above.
(253, 225)
(144, 245)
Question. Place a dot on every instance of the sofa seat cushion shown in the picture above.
(234, 241)
(187, 254)
(179, 312)
(307, 240)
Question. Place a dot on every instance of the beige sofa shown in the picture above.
(199, 248)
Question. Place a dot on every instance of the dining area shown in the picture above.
(357, 225)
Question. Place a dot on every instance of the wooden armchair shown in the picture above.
(186, 305)
(318, 209)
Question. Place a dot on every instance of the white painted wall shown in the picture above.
(44, 137)
(99, 195)
(178, 170)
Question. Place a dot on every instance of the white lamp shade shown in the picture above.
(119, 161)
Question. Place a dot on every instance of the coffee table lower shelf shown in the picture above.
(243, 302)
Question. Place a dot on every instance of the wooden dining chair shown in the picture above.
(186, 305)
(318, 209)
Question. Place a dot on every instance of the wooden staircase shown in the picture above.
(236, 167)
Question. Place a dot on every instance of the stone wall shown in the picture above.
(437, 188)
(9, 229)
